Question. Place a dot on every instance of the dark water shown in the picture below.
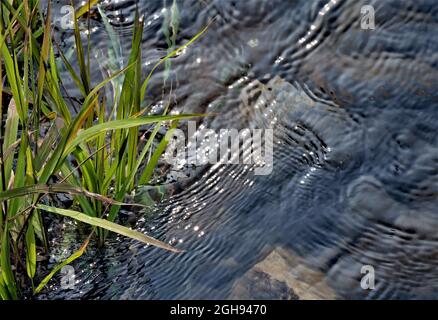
(355, 176)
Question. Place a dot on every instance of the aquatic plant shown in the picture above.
(47, 147)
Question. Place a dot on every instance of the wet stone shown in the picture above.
(281, 276)
(261, 286)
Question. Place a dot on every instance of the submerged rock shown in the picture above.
(282, 275)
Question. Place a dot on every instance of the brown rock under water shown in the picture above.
(282, 276)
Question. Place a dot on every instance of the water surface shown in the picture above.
(355, 176)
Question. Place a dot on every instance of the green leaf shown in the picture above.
(168, 56)
(46, 147)
(5, 264)
(4, 294)
(56, 159)
(83, 70)
(44, 55)
(94, 131)
(20, 177)
(147, 173)
(58, 188)
(30, 251)
(107, 225)
(11, 130)
(85, 8)
(69, 260)
(115, 51)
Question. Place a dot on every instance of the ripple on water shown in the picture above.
(355, 149)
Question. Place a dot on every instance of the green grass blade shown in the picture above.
(94, 131)
(125, 188)
(14, 81)
(4, 294)
(147, 173)
(11, 130)
(142, 155)
(46, 147)
(58, 188)
(83, 70)
(115, 53)
(69, 260)
(85, 8)
(5, 264)
(20, 177)
(30, 251)
(110, 226)
(72, 72)
(44, 56)
(168, 56)
(56, 159)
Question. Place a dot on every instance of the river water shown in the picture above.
(355, 173)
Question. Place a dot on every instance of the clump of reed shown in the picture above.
(93, 155)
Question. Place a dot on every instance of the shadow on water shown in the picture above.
(355, 176)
